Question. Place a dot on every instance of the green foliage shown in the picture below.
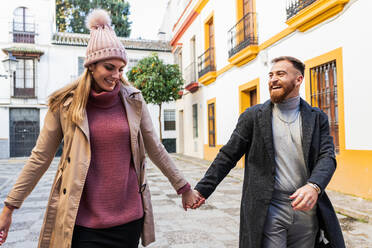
(158, 82)
(70, 15)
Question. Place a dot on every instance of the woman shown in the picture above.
(99, 196)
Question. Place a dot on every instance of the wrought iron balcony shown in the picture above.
(189, 73)
(24, 92)
(243, 34)
(206, 62)
(23, 32)
(295, 6)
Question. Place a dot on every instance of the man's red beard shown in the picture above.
(278, 96)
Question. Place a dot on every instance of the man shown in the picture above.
(289, 160)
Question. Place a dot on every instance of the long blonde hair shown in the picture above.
(79, 91)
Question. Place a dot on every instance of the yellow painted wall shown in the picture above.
(211, 152)
(354, 173)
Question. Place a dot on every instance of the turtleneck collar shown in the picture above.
(289, 104)
(104, 99)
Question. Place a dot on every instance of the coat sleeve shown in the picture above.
(325, 165)
(226, 159)
(156, 151)
(41, 156)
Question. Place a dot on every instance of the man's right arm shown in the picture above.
(226, 159)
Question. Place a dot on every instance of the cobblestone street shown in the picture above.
(214, 225)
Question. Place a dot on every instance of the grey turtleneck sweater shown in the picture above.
(291, 170)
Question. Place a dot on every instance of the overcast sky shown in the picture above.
(146, 17)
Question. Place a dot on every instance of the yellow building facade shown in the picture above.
(225, 49)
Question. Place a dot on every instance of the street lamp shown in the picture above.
(10, 65)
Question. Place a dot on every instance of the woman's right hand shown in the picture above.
(5, 221)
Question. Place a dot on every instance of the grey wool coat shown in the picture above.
(253, 137)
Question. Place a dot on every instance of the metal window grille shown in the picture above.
(195, 120)
(24, 85)
(323, 83)
(23, 130)
(211, 125)
(169, 120)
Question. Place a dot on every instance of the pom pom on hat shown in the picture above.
(98, 18)
(103, 42)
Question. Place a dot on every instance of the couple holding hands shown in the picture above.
(100, 197)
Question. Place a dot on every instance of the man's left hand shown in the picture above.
(304, 198)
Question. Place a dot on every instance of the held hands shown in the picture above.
(305, 198)
(192, 199)
(5, 221)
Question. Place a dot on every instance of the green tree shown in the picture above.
(70, 15)
(158, 82)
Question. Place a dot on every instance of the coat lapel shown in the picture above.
(265, 122)
(84, 126)
(308, 122)
(133, 108)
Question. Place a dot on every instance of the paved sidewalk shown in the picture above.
(347, 205)
(214, 225)
(355, 214)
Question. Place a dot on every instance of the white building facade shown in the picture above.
(230, 45)
(47, 61)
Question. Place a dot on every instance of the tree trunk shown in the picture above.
(160, 134)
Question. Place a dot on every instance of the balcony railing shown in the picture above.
(23, 32)
(24, 92)
(243, 34)
(190, 73)
(206, 62)
(295, 6)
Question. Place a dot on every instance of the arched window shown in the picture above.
(23, 26)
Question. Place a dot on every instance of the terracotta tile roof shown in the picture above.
(74, 39)
(23, 49)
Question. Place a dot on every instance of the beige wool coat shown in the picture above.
(63, 204)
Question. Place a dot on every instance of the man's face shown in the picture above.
(284, 81)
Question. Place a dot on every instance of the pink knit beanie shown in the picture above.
(103, 42)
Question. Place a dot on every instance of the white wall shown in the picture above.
(343, 31)
(349, 30)
(57, 67)
(192, 146)
(44, 19)
(4, 124)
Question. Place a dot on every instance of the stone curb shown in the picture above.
(352, 213)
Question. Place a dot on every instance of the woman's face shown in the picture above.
(106, 74)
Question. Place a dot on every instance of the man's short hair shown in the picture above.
(295, 62)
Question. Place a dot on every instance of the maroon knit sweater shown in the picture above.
(111, 195)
